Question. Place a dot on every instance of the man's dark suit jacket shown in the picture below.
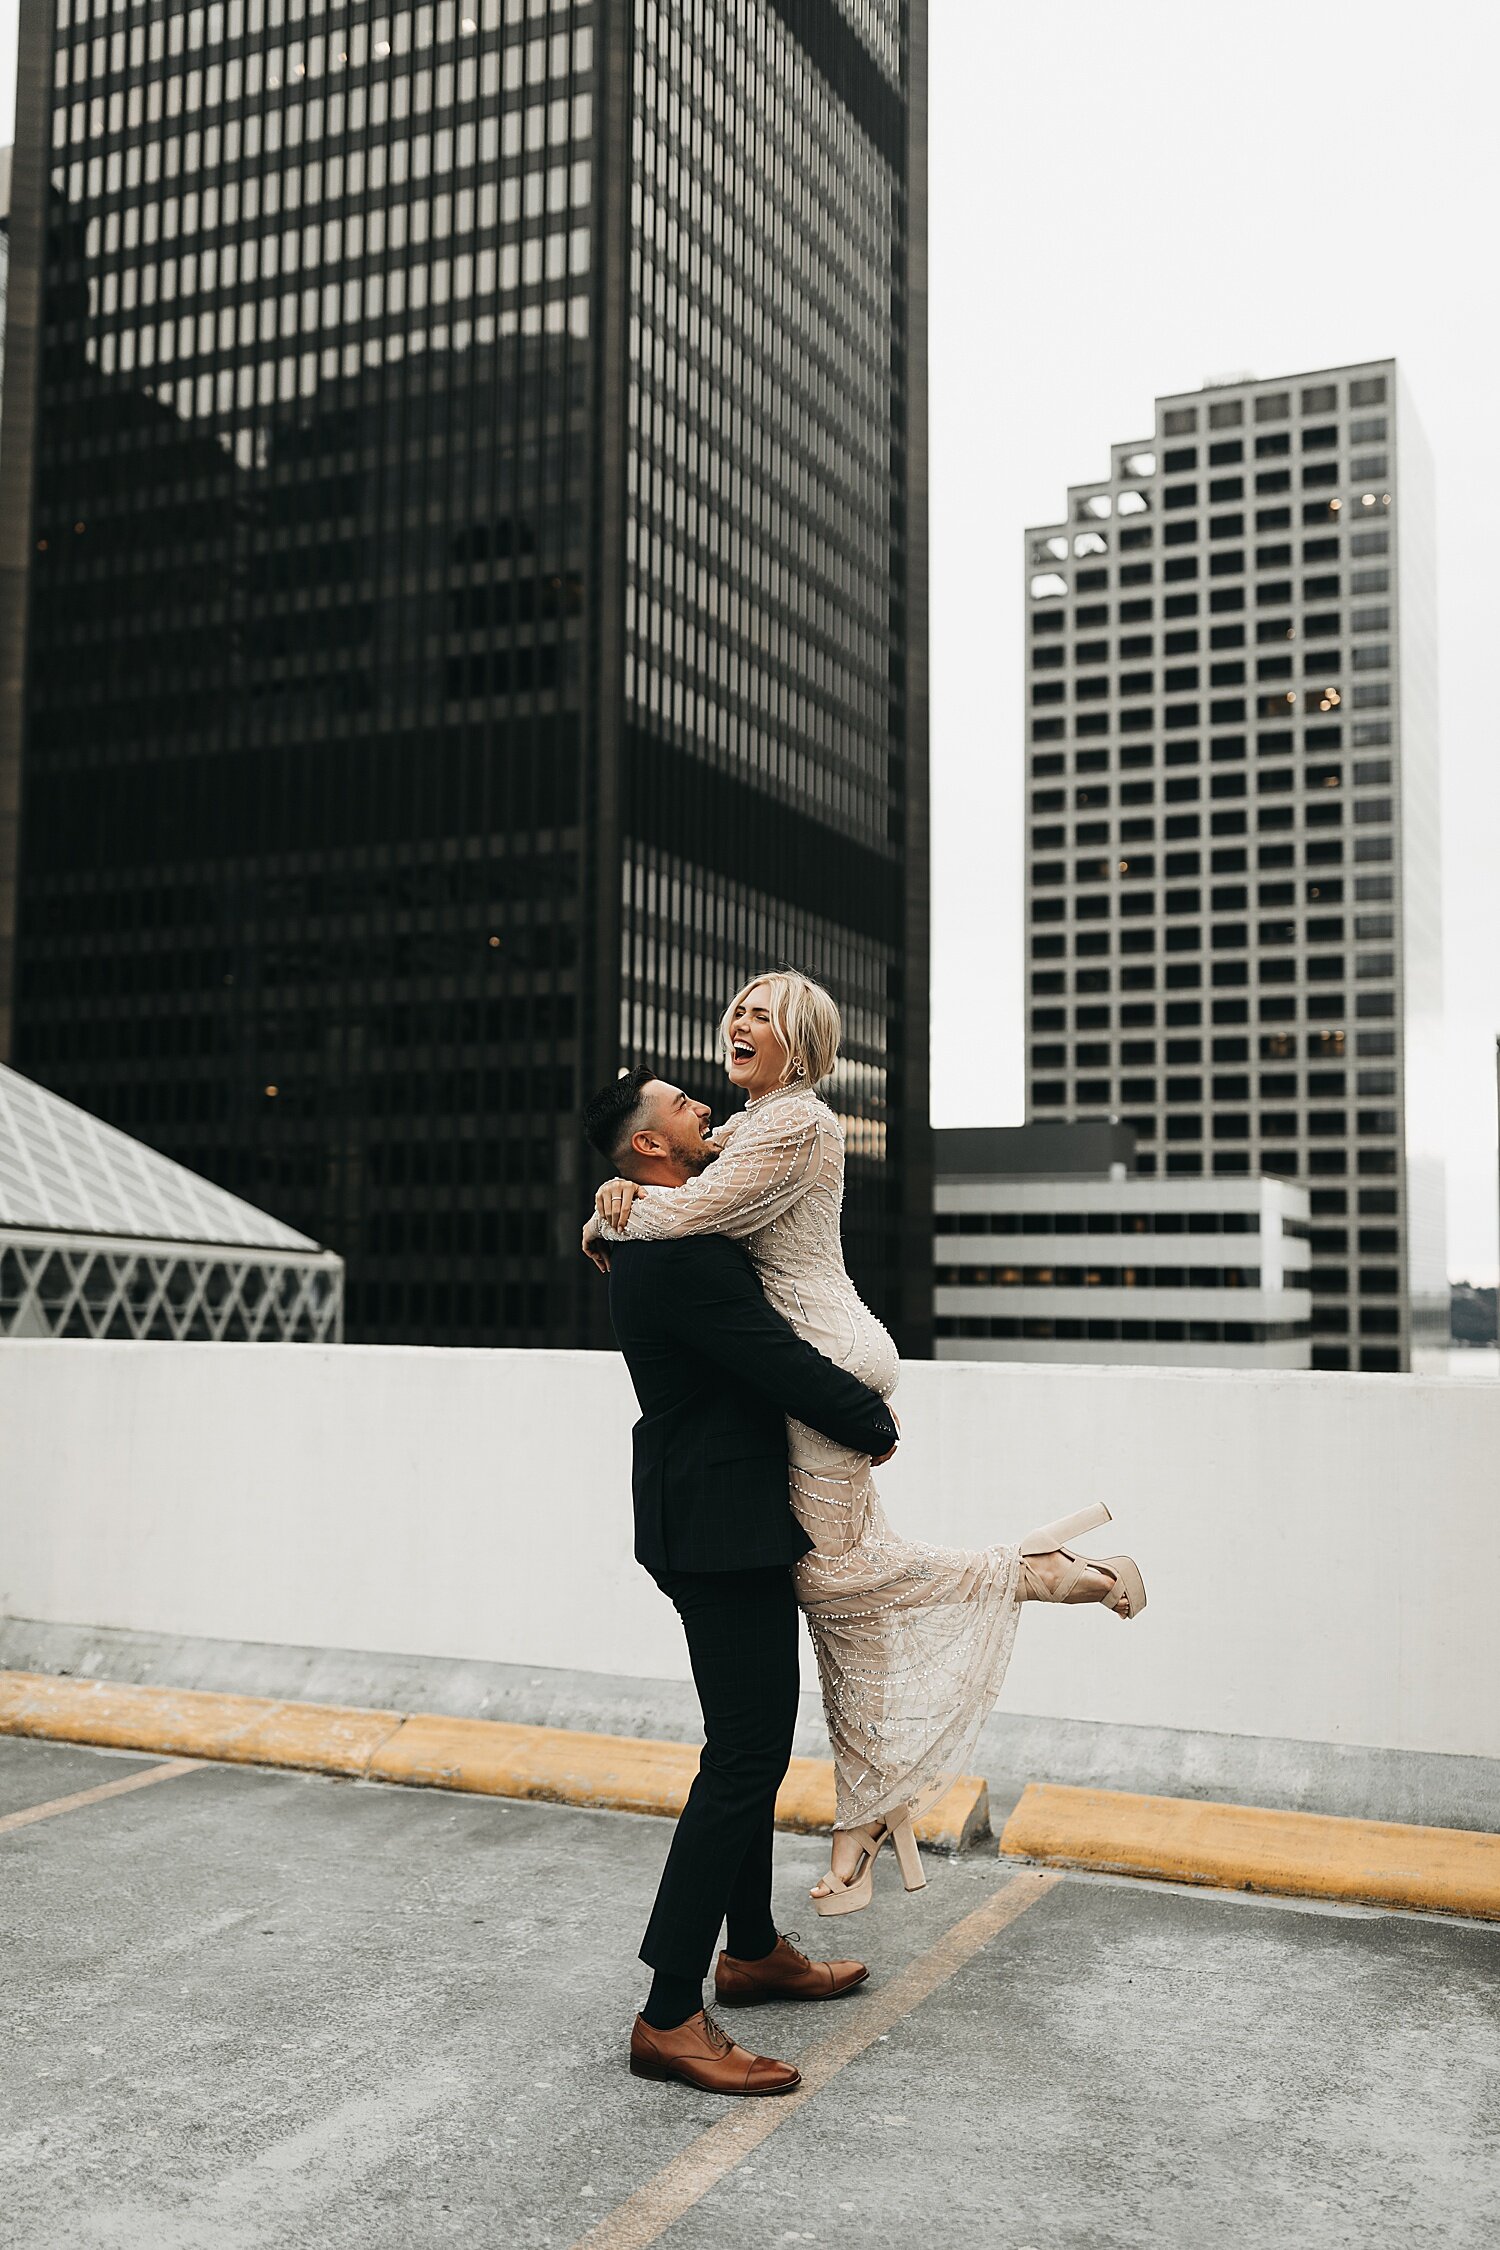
(716, 1372)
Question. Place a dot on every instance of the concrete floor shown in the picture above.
(252, 2011)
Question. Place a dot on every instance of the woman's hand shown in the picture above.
(612, 1204)
(592, 1247)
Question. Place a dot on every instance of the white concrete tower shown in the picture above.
(1232, 889)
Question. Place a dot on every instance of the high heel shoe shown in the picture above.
(850, 1894)
(1052, 1540)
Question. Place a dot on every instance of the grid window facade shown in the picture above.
(1229, 900)
(765, 556)
(1199, 1271)
(477, 455)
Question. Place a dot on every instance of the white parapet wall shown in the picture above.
(1318, 1549)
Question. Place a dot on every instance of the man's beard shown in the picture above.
(695, 1156)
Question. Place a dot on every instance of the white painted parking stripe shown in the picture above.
(167, 1772)
(645, 2216)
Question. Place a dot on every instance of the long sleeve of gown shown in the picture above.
(762, 1172)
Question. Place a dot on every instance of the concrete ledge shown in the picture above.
(492, 1759)
(1434, 1789)
(1430, 1788)
(1246, 1847)
(247, 1730)
(486, 1757)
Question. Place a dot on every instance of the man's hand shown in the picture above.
(612, 1204)
(879, 1460)
(592, 1247)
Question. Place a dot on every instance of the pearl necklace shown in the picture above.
(773, 1093)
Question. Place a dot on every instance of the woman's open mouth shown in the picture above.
(742, 1051)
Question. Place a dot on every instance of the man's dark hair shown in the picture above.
(615, 1111)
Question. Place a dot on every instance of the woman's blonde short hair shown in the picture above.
(804, 1018)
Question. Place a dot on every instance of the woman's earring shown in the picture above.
(799, 1068)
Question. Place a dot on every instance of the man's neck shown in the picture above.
(655, 1171)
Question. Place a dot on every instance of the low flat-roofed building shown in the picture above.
(1048, 1245)
(101, 1236)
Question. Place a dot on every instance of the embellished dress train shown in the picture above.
(912, 1640)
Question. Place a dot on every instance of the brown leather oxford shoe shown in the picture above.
(784, 1974)
(701, 2053)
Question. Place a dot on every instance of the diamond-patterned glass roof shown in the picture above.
(61, 1168)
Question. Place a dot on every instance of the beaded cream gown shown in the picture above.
(912, 1640)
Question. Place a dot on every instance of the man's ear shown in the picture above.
(647, 1143)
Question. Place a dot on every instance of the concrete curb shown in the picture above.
(1174, 1839)
(1436, 1789)
(486, 1757)
(1245, 1847)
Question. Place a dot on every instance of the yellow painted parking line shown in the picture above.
(488, 1757)
(81, 1797)
(1251, 1848)
(645, 2216)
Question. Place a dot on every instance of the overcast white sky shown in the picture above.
(1128, 195)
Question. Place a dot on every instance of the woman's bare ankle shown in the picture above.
(1046, 1569)
(1095, 1585)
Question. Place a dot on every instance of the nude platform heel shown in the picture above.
(1053, 1539)
(853, 1895)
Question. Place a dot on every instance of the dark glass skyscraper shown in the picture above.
(477, 556)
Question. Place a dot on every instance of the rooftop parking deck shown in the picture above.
(275, 2011)
(250, 2010)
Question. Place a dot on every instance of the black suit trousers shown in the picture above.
(741, 1628)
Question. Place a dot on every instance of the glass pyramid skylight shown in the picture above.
(63, 1170)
